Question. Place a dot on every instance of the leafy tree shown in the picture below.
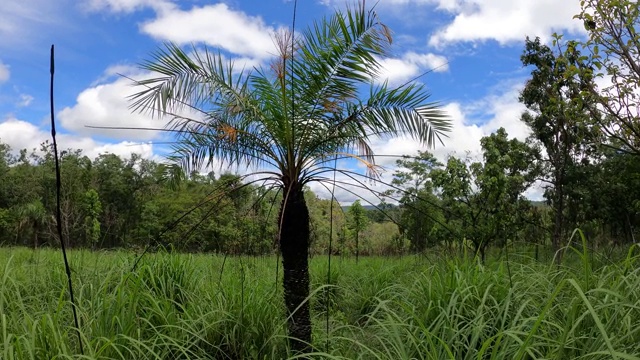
(614, 46)
(25, 182)
(5, 226)
(293, 119)
(6, 160)
(142, 199)
(455, 186)
(559, 119)
(357, 223)
(534, 227)
(92, 209)
(422, 213)
(119, 186)
(76, 178)
(484, 201)
(510, 167)
(616, 203)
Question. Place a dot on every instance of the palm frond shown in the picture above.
(337, 56)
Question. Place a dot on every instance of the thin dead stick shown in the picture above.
(58, 210)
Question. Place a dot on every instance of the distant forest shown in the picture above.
(113, 202)
(116, 202)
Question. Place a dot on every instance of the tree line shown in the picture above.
(132, 202)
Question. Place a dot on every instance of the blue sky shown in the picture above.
(474, 46)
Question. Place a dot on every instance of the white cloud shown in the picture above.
(500, 20)
(469, 124)
(346, 193)
(410, 65)
(128, 6)
(506, 111)
(25, 100)
(215, 25)
(123, 149)
(4, 72)
(106, 105)
(23, 135)
(505, 20)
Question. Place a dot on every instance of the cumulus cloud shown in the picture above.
(505, 20)
(506, 112)
(216, 25)
(501, 20)
(106, 104)
(4, 72)
(379, 3)
(347, 191)
(410, 65)
(123, 149)
(21, 134)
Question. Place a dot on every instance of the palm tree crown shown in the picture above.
(301, 110)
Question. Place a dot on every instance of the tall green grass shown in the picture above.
(428, 307)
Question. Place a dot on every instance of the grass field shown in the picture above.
(209, 307)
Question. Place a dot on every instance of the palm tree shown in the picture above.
(293, 119)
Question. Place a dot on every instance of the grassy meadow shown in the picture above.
(427, 307)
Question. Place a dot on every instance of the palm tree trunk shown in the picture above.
(294, 247)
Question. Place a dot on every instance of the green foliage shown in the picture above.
(560, 119)
(357, 222)
(484, 202)
(613, 46)
(93, 210)
(30, 220)
(422, 216)
(118, 202)
(357, 217)
(382, 239)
